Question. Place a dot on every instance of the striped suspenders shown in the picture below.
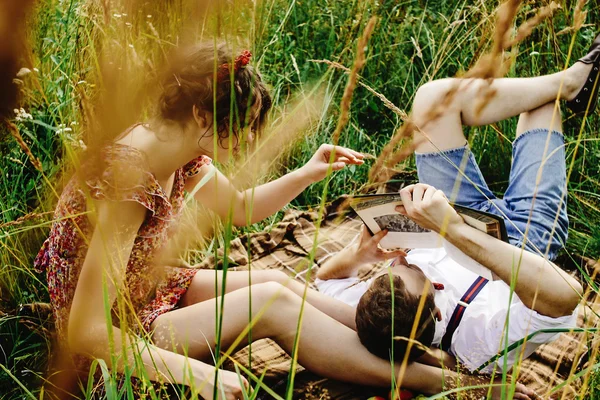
(459, 311)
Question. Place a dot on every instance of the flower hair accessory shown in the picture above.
(240, 62)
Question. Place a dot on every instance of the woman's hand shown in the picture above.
(230, 386)
(316, 168)
(368, 250)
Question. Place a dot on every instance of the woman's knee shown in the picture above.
(269, 276)
(273, 293)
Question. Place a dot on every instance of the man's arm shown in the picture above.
(346, 263)
(541, 285)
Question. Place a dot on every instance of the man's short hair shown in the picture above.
(374, 319)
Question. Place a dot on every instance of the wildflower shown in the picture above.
(22, 115)
(62, 128)
(131, 46)
(148, 16)
(117, 15)
(23, 72)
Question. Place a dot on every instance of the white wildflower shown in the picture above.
(22, 115)
(23, 72)
(117, 15)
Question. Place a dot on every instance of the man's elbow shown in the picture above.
(566, 304)
(322, 274)
(575, 296)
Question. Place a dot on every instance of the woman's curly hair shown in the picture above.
(236, 100)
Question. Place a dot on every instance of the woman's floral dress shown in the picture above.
(121, 175)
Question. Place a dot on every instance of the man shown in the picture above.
(476, 318)
(429, 287)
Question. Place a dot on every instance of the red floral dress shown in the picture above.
(121, 175)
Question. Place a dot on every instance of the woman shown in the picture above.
(112, 219)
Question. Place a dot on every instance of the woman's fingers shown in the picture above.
(354, 157)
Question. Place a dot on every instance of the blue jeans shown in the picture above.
(534, 206)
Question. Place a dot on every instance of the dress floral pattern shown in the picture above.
(121, 175)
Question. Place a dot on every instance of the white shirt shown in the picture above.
(481, 332)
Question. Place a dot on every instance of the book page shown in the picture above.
(402, 231)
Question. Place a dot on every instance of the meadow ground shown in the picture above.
(81, 53)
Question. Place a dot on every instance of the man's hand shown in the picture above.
(428, 207)
(347, 262)
(316, 168)
(368, 250)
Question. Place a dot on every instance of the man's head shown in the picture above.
(394, 301)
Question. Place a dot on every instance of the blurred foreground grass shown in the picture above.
(414, 42)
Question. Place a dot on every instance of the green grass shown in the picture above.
(414, 42)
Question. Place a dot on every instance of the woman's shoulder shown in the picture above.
(193, 167)
(119, 172)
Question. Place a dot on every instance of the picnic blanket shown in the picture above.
(288, 247)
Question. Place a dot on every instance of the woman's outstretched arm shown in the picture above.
(100, 282)
(256, 204)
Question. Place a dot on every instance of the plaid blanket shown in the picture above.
(288, 247)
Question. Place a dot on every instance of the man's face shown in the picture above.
(414, 278)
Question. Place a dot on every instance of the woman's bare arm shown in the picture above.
(255, 204)
(102, 277)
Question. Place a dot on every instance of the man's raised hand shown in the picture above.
(428, 207)
(369, 251)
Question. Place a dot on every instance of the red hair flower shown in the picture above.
(240, 62)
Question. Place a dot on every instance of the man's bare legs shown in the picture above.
(548, 116)
(326, 346)
(455, 102)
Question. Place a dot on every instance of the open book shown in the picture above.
(378, 212)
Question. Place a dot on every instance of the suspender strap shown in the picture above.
(459, 311)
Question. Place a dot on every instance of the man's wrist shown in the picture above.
(455, 231)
